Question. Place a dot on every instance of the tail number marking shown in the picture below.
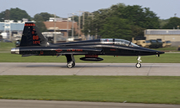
(35, 37)
(36, 42)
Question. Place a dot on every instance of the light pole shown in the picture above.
(79, 20)
(79, 31)
(73, 25)
(54, 28)
(67, 25)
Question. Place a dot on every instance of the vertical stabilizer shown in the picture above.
(32, 36)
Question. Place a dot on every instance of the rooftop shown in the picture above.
(162, 31)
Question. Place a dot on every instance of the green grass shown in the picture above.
(168, 49)
(132, 89)
(6, 47)
(164, 58)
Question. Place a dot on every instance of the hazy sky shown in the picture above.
(163, 8)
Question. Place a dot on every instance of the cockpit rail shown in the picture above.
(118, 42)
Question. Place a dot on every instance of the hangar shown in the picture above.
(172, 35)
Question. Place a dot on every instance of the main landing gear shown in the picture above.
(138, 65)
(70, 60)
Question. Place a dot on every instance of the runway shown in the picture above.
(94, 69)
(72, 104)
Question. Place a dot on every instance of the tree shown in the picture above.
(141, 17)
(173, 23)
(44, 16)
(137, 19)
(39, 20)
(116, 28)
(137, 31)
(74, 32)
(163, 22)
(14, 14)
(87, 22)
(7, 14)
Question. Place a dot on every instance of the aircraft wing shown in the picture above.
(79, 51)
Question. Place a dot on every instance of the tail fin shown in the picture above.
(31, 36)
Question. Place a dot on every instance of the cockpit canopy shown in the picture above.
(118, 42)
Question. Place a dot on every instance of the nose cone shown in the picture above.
(146, 51)
(157, 52)
(15, 51)
(160, 52)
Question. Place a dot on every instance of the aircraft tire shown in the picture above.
(138, 65)
(71, 64)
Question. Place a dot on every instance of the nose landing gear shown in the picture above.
(70, 60)
(138, 65)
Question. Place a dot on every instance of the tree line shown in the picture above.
(121, 21)
(118, 21)
(18, 14)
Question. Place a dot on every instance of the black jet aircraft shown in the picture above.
(33, 43)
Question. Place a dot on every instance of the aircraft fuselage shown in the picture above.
(33, 43)
(86, 49)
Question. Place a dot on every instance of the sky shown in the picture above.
(64, 8)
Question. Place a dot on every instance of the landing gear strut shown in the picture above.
(138, 65)
(70, 60)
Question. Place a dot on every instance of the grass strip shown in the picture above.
(164, 58)
(6, 46)
(131, 89)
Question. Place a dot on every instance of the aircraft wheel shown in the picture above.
(71, 64)
(138, 65)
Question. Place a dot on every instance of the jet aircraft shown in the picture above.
(33, 43)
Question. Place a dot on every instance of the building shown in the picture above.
(50, 37)
(60, 27)
(172, 35)
(10, 29)
(63, 25)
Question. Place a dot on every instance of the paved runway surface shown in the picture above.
(72, 104)
(111, 69)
